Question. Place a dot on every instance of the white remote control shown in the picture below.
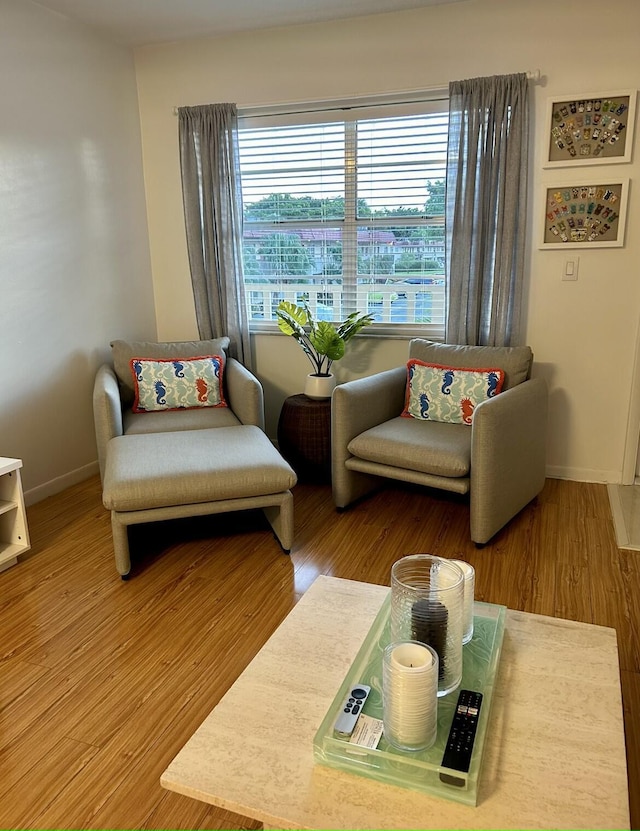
(351, 709)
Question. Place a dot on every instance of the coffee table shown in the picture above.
(554, 754)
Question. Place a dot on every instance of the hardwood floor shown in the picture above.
(103, 681)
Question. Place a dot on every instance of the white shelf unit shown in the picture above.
(14, 534)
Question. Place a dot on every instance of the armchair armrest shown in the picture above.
(508, 456)
(245, 394)
(107, 411)
(355, 407)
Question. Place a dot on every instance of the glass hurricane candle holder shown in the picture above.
(427, 605)
(469, 592)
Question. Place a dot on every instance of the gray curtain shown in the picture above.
(212, 197)
(486, 197)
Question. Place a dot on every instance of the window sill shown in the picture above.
(397, 332)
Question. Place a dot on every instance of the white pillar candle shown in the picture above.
(411, 656)
(409, 690)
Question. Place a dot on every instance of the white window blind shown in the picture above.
(344, 208)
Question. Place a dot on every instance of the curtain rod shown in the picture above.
(535, 76)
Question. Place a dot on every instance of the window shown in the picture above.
(344, 209)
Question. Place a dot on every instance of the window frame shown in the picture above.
(434, 100)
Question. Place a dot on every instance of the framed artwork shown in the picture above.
(590, 129)
(589, 215)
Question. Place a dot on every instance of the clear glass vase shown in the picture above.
(469, 593)
(427, 605)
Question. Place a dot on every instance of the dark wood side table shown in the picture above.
(304, 437)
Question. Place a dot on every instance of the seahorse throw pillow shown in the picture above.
(174, 384)
(444, 393)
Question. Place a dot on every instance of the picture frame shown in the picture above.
(589, 129)
(588, 214)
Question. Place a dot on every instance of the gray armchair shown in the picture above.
(113, 395)
(499, 459)
(183, 462)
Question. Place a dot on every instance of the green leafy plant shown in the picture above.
(322, 342)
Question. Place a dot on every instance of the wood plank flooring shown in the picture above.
(103, 681)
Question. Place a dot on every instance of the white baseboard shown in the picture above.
(60, 483)
(580, 474)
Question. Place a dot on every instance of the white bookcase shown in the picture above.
(14, 534)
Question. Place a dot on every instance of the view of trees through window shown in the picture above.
(346, 215)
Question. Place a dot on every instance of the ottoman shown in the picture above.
(155, 476)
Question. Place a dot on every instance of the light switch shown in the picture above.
(570, 271)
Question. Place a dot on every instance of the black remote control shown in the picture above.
(457, 753)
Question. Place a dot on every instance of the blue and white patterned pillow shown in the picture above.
(450, 394)
(175, 384)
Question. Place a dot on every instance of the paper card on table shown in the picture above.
(367, 731)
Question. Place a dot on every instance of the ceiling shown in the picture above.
(141, 22)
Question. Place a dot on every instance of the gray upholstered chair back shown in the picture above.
(515, 361)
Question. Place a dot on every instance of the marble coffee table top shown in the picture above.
(554, 755)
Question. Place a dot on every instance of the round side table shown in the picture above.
(304, 437)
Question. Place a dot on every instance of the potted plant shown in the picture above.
(322, 342)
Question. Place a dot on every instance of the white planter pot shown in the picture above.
(319, 386)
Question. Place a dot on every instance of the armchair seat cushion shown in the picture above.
(171, 420)
(433, 447)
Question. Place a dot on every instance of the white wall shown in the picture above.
(583, 333)
(74, 257)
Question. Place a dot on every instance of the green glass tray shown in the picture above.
(419, 771)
